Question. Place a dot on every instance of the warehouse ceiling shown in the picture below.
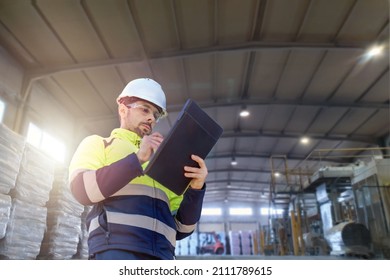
(298, 66)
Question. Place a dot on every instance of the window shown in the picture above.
(211, 212)
(34, 135)
(266, 211)
(2, 110)
(44, 141)
(241, 211)
(53, 147)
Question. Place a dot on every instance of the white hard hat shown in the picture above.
(146, 89)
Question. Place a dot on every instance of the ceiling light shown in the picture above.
(244, 112)
(233, 162)
(305, 140)
(277, 174)
(374, 51)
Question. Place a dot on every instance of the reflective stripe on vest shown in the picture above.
(140, 221)
(138, 189)
(136, 219)
(184, 228)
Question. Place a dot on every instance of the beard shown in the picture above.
(143, 129)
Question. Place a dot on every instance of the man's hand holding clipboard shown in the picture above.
(194, 133)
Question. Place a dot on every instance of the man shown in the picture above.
(133, 216)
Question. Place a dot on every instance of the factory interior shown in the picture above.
(300, 88)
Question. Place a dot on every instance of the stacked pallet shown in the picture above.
(25, 231)
(35, 178)
(27, 222)
(11, 150)
(241, 242)
(246, 242)
(235, 243)
(82, 248)
(187, 246)
(5, 211)
(63, 232)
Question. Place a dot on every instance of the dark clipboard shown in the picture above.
(194, 132)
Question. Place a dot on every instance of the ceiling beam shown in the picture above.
(266, 171)
(245, 199)
(253, 182)
(268, 156)
(259, 133)
(257, 46)
(221, 103)
(39, 73)
(272, 102)
(237, 181)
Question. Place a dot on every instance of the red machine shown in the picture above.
(210, 243)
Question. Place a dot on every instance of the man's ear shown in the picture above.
(122, 109)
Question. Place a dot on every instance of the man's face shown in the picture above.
(139, 117)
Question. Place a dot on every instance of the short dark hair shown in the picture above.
(128, 100)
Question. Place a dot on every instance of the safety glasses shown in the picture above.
(146, 110)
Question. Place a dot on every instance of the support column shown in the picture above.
(294, 233)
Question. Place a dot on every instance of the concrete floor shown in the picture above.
(261, 257)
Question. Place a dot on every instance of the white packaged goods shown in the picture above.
(5, 211)
(246, 242)
(60, 197)
(35, 178)
(82, 250)
(235, 243)
(64, 231)
(11, 149)
(62, 236)
(25, 231)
